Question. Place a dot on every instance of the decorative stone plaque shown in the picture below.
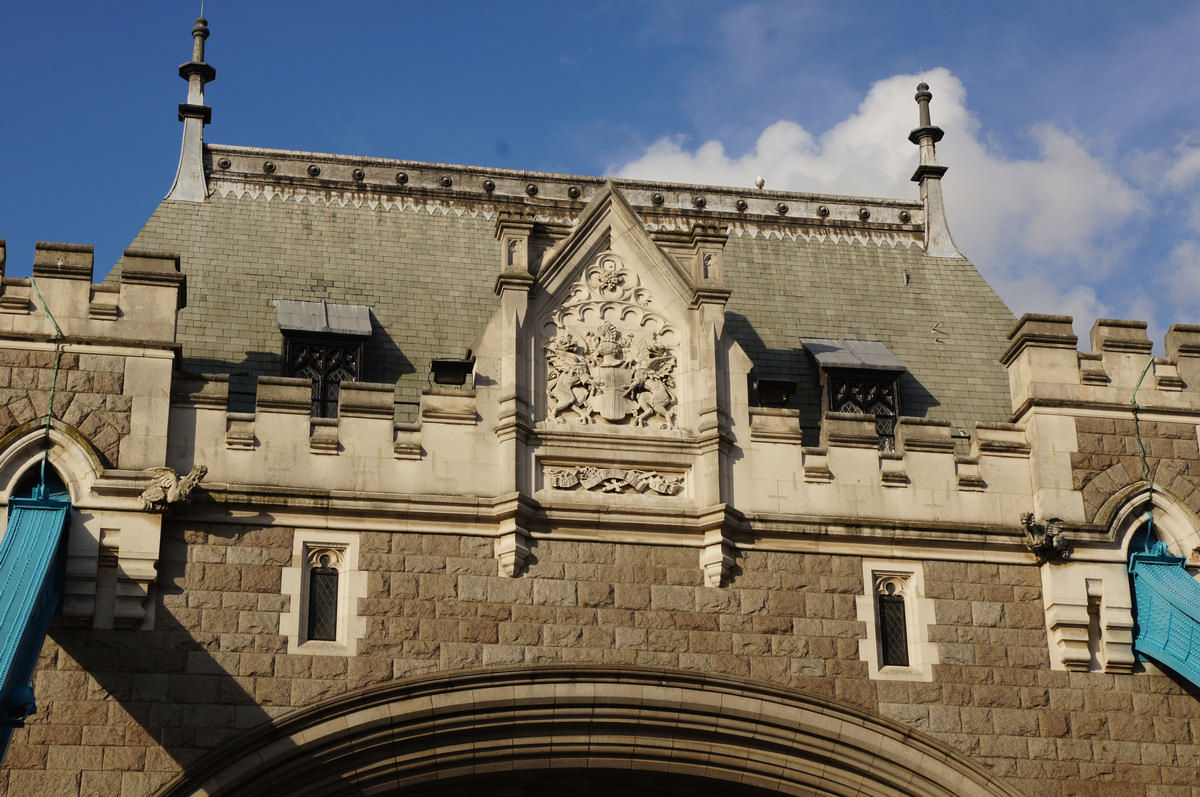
(610, 359)
(613, 480)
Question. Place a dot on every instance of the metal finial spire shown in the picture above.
(923, 96)
(190, 184)
(927, 129)
(938, 242)
(199, 34)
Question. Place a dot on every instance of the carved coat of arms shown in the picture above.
(598, 370)
(602, 373)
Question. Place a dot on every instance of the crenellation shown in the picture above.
(840, 429)
(924, 434)
(1120, 364)
(60, 301)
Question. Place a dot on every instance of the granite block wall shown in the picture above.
(87, 394)
(121, 712)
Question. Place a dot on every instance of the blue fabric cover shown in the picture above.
(1166, 611)
(30, 589)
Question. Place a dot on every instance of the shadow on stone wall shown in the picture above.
(383, 362)
(146, 704)
(795, 365)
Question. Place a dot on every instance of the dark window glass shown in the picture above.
(864, 395)
(322, 603)
(328, 363)
(893, 632)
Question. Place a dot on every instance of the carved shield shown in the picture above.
(610, 402)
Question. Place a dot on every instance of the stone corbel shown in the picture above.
(1117, 622)
(512, 550)
(81, 581)
(1068, 627)
(323, 436)
(717, 558)
(969, 475)
(816, 465)
(1089, 616)
(719, 552)
(406, 440)
(135, 575)
(112, 564)
(512, 547)
(891, 469)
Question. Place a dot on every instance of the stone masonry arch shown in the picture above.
(65, 449)
(1176, 522)
(455, 730)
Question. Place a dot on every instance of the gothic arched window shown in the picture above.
(324, 572)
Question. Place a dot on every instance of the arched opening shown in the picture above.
(1139, 515)
(581, 782)
(56, 446)
(41, 482)
(594, 729)
(1161, 537)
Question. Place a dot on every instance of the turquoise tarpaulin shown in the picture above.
(30, 589)
(1167, 611)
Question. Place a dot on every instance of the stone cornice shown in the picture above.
(629, 521)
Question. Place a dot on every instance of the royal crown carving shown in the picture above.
(610, 358)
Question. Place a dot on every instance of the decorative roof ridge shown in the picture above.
(755, 226)
(694, 190)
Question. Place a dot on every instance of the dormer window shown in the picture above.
(324, 343)
(866, 394)
(860, 377)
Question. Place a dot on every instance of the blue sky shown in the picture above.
(1072, 128)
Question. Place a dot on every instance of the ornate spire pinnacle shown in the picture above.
(190, 185)
(938, 242)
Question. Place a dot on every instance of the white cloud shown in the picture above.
(1183, 272)
(1183, 172)
(1043, 230)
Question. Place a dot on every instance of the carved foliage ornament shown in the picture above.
(610, 357)
(613, 480)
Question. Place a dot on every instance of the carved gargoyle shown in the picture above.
(166, 488)
(1046, 541)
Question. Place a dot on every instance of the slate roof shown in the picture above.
(423, 255)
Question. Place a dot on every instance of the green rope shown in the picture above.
(58, 346)
(1137, 429)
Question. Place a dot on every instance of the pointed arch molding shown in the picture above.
(1110, 489)
(481, 722)
(69, 452)
(1176, 519)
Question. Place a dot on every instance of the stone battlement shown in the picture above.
(140, 308)
(281, 435)
(1046, 369)
(938, 473)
